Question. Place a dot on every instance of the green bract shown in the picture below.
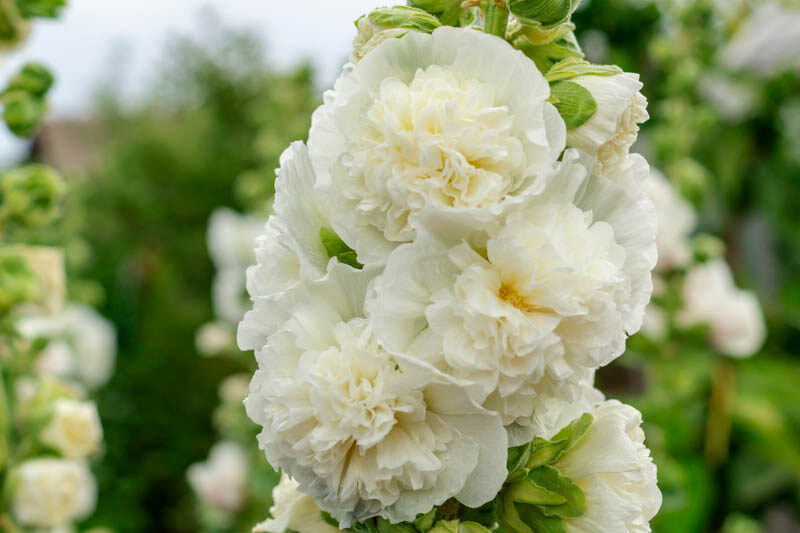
(404, 17)
(336, 247)
(573, 67)
(574, 102)
(449, 12)
(537, 498)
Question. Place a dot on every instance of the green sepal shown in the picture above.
(518, 457)
(22, 112)
(574, 102)
(471, 527)
(540, 522)
(328, 519)
(32, 78)
(449, 12)
(547, 13)
(336, 247)
(425, 521)
(404, 17)
(572, 67)
(549, 479)
(526, 491)
(384, 526)
(545, 56)
(510, 520)
(445, 526)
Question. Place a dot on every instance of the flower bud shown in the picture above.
(22, 112)
(388, 23)
(221, 481)
(74, 429)
(30, 195)
(613, 127)
(546, 13)
(49, 493)
(33, 79)
(18, 283)
(13, 27)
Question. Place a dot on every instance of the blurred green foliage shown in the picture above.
(209, 134)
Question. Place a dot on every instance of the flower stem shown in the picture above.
(495, 14)
(718, 427)
(4, 417)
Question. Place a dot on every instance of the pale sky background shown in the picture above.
(79, 46)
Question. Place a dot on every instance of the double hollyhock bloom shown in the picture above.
(445, 269)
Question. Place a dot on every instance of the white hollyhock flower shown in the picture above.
(293, 511)
(654, 326)
(214, 338)
(231, 237)
(767, 42)
(364, 431)
(221, 481)
(47, 264)
(74, 429)
(553, 294)
(89, 338)
(676, 221)
(455, 122)
(290, 246)
(613, 128)
(734, 316)
(613, 468)
(50, 493)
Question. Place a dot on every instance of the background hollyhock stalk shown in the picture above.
(436, 203)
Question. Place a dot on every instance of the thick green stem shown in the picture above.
(718, 427)
(495, 14)
(4, 418)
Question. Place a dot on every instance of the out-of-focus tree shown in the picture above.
(208, 134)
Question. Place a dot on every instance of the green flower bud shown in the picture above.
(544, 13)
(33, 78)
(30, 195)
(18, 282)
(22, 112)
(41, 8)
(13, 27)
(707, 247)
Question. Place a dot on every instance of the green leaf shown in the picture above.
(33, 78)
(445, 526)
(336, 247)
(526, 491)
(574, 102)
(404, 17)
(510, 520)
(425, 521)
(573, 67)
(546, 13)
(550, 479)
